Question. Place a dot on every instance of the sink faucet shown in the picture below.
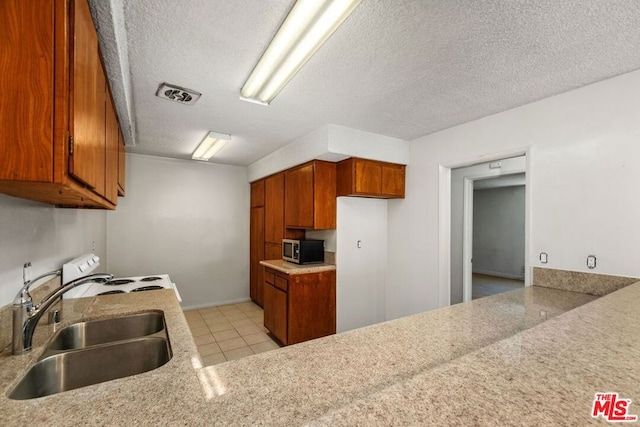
(26, 315)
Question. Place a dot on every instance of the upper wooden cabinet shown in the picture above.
(274, 208)
(370, 178)
(121, 164)
(112, 141)
(88, 149)
(53, 112)
(275, 229)
(310, 196)
(257, 193)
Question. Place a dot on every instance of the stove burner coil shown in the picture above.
(118, 282)
(111, 292)
(150, 279)
(147, 288)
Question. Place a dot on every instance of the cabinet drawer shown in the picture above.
(269, 277)
(282, 283)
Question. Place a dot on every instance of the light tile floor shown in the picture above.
(484, 285)
(229, 332)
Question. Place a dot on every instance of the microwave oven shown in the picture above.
(303, 251)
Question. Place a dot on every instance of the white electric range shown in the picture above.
(86, 264)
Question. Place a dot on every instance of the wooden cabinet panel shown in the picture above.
(281, 283)
(121, 164)
(393, 180)
(272, 251)
(87, 160)
(370, 178)
(54, 92)
(298, 200)
(275, 312)
(112, 132)
(310, 196)
(257, 193)
(310, 305)
(256, 249)
(27, 100)
(274, 209)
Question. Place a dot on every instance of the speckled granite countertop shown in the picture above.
(291, 268)
(476, 354)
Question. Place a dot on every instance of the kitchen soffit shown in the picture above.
(402, 68)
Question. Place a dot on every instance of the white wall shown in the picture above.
(46, 236)
(186, 219)
(361, 272)
(351, 142)
(508, 166)
(583, 178)
(498, 231)
(331, 143)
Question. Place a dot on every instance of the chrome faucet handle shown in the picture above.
(24, 297)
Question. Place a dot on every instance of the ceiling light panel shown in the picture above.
(309, 24)
(210, 145)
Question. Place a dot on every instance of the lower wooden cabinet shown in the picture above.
(299, 307)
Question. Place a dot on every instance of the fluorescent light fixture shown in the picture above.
(210, 145)
(309, 24)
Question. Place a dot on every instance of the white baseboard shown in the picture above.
(215, 304)
(499, 274)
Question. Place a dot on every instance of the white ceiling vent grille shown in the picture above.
(177, 94)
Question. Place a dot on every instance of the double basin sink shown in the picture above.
(96, 351)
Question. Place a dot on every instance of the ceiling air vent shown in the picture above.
(177, 94)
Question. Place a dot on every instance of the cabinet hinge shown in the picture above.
(70, 145)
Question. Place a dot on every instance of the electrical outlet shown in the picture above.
(591, 261)
(544, 258)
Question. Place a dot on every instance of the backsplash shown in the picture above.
(586, 283)
(6, 318)
(329, 257)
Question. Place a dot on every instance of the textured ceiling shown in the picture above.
(399, 68)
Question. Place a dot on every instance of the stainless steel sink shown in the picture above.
(96, 351)
(94, 332)
(79, 368)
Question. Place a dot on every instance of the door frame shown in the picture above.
(444, 216)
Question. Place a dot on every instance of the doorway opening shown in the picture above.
(498, 235)
(487, 228)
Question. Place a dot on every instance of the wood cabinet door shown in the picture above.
(299, 197)
(275, 312)
(27, 100)
(256, 254)
(274, 209)
(121, 164)
(393, 180)
(112, 132)
(257, 193)
(87, 162)
(368, 177)
(272, 251)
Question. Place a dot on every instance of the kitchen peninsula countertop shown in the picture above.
(526, 357)
(291, 268)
